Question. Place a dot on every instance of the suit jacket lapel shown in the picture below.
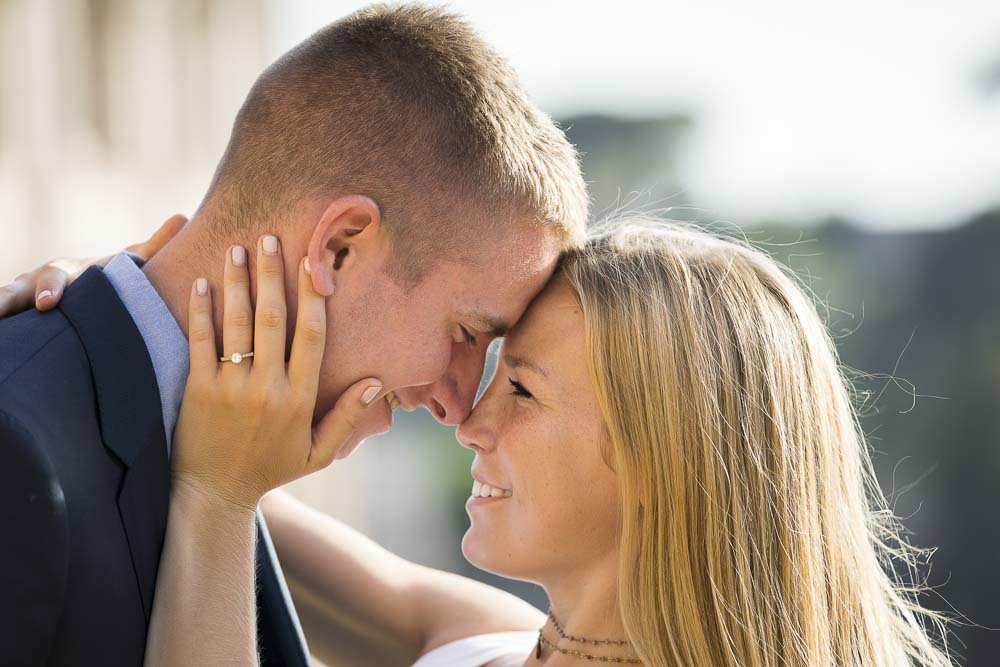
(131, 417)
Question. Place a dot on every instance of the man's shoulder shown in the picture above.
(24, 337)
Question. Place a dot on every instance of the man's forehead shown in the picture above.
(497, 318)
(525, 241)
(504, 291)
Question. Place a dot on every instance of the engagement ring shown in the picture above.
(236, 357)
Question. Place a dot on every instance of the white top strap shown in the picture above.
(478, 650)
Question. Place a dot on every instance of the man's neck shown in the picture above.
(195, 253)
(173, 270)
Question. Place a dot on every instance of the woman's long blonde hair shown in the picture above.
(754, 532)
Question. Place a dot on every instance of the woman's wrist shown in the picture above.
(212, 499)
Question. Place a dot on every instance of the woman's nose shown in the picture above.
(468, 433)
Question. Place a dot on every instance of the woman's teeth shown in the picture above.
(485, 490)
(391, 399)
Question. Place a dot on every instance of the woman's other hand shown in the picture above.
(246, 428)
(44, 286)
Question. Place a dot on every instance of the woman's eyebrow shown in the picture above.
(517, 361)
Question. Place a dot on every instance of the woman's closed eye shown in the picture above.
(519, 389)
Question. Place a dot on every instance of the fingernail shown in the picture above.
(41, 295)
(370, 394)
(270, 245)
(201, 286)
(239, 255)
(305, 266)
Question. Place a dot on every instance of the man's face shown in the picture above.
(418, 342)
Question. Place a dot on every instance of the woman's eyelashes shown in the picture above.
(519, 389)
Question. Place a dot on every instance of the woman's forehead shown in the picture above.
(552, 323)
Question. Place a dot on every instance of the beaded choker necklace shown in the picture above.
(581, 640)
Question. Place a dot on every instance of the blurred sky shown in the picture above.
(870, 109)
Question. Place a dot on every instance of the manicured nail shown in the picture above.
(201, 286)
(41, 295)
(270, 245)
(371, 393)
(305, 266)
(239, 255)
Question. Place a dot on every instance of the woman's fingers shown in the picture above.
(271, 323)
(50, 282)
(41, 288)
(309, 340)
(237, 313)
(160, 237)
(338, 427)
(201, 331)
(17, 296)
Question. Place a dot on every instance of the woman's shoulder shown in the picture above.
(475, 650)
(454, 607)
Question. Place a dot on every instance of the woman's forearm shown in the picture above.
(352, 595)
(360, 604)
(204, 609)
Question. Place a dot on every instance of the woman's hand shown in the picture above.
(247, 428)
(243, 430)
(44, 286)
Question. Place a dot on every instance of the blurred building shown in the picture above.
(113, 114)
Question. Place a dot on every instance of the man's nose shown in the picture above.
(450, 401)
(450, 398)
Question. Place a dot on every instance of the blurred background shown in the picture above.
(859, 142)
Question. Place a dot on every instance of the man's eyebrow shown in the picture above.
(490, 324)
(517, 361)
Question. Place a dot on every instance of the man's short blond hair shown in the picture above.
(408, 105)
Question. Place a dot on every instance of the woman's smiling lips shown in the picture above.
(484, 492)
(477, 500)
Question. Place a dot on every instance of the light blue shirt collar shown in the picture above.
(166, 343)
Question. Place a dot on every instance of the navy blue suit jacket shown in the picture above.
(85, 489)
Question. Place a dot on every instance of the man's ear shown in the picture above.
(346, 224)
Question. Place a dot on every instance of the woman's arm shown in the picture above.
(243, 430)
(204, 611)
(350, 594)
(360, 604)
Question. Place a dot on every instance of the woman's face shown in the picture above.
(538, 434)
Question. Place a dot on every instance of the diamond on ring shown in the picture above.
(237, 357)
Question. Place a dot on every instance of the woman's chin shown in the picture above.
(481, 551)
(476, 549)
